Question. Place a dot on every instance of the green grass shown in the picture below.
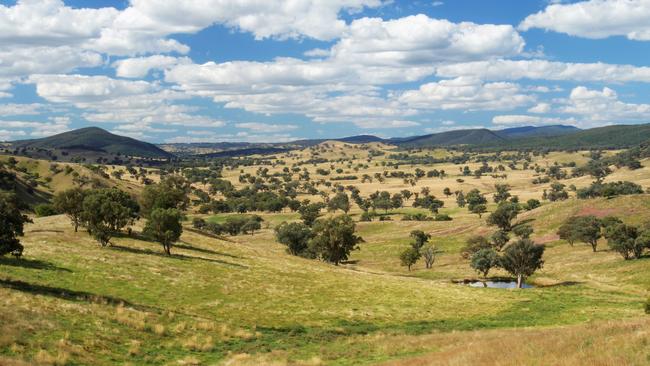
(244, 300)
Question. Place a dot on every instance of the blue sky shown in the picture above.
(271, 71)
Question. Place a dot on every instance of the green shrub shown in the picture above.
(442, 217)
(45, 209)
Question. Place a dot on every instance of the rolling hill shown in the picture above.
(608, 137)
(95, 140)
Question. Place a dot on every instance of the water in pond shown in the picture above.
(498, 284)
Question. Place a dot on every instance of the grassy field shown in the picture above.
(242, 300)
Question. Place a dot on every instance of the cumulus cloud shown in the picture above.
(266, 127)
(545, 70)
(418, 39)
(595, 19)
(139, 67)
(108, 100)
(516, 119)
(540, 108)
(603, 106)
(467, 94)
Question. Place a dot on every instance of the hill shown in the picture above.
(608, 137)
(451, 138)
(94, 140)
(532, 131)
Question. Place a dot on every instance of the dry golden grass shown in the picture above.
(244, 301)
(598, 344)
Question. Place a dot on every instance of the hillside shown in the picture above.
(608, 137)
(531, 131)
(94, 140)
(450, 138)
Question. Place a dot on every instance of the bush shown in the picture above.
(366, 216)
(45, 209)
(442, 217)
(647, 306)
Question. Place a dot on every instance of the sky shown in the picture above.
(273, 71)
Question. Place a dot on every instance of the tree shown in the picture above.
(504, 214)
(70, 202)
(532, 204)
(522, 258)
(172, 192)
(623, 239)
(474, 198)
(164, 226)
(479, 210)
(484, 260)
(473, 245)
(460, 199)
(587, 230)
(295, 236)
(428, 252)
(409, 257)
(333, 239)
(310, 212)
(502, 193)
(567, 231)
(339, 202)
(12, 222)
(251, 225)
(523, 231)
(106, 211)
(406, 194)
(499, 239)
(557, 193)
(419, 238)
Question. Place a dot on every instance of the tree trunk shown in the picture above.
(593, 246)
(520, 281)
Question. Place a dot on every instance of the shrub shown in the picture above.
(45, 209)
(442, 217)
(647, 306)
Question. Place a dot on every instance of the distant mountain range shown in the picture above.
(94, 140)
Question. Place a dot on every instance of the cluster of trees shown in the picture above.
(612, 189)
(233, 225)
(521, 257)
(330, 240)
(628, 240)
(419, 248)
(105, 212)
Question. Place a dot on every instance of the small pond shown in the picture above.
(496, 284)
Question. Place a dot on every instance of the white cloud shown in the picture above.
(141, 66)
(205, 136)
(546, 70)
(540, 108)
(595, 19)
(515, 119)
(14, 109)
(263, 18)
(265, 127)
(418, 40)
(83, 89)
(108, 100)
(603, 106)
(51, 23)
(382, 124)
(35, 129)
(468, 94)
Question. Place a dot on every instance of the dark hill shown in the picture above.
(95, 140)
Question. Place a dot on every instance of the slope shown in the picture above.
(95, 140)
